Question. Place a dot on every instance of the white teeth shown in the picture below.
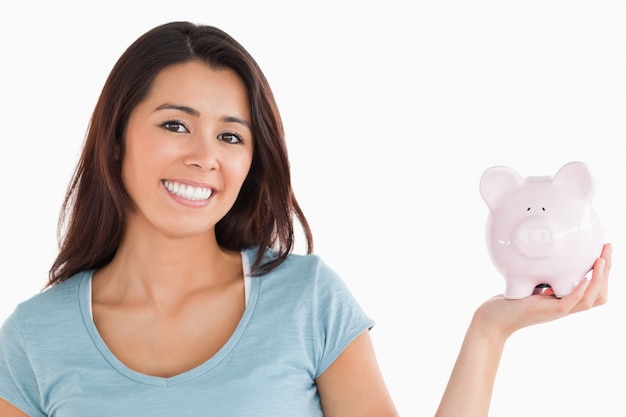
(187, 191)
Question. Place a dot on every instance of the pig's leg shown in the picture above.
(562, 288)
(518, 286)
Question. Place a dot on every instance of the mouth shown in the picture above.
(187, 191)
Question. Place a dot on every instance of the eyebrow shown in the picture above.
(193, 112)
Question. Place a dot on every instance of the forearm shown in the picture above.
(470, 386)
(469, 389)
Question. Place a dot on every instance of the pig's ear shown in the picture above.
(497, 179)
(577, 174)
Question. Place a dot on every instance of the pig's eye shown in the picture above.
(528, 209)
(543, 208)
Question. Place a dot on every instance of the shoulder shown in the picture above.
(305, 293)
(35, 340)
(36, 316)
(298, 269)
(306, 282)
(58, 296)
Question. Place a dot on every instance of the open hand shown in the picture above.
(502, 317)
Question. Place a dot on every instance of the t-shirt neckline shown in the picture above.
(251, 294)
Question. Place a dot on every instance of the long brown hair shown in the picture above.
(93, 215)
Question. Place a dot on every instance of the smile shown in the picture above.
(187, 191)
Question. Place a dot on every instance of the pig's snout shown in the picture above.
(535, 238)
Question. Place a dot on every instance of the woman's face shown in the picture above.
(187, 150)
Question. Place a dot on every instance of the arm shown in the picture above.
(353, 384)
(471, 383)
(8, 410)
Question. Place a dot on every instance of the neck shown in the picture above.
(155, 267)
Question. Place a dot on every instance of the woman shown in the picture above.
(175, 291)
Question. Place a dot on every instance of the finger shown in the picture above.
(595, 292)
(607, 254)
(574, 301)
(602, 276)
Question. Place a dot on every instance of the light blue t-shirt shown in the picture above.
(299, 318)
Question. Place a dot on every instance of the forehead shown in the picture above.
(201, 86)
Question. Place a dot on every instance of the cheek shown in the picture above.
(139, 164)
(239, 168)
(132, 173)
(145, 153)
(245, 166)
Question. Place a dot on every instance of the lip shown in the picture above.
(200, 191)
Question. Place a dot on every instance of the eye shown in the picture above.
(175, 126)
(230, 137)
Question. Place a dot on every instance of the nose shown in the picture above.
(535, 238)
(202, 153)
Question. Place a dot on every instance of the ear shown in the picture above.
(497, 179)
(577, 174)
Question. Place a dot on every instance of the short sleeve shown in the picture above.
(18, 383)
(340, 319)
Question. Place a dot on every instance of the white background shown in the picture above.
(392, 111)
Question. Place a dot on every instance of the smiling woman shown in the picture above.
(175, 286)
(176, 292)
(184, 164)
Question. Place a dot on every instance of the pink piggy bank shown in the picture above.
(541, 230)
